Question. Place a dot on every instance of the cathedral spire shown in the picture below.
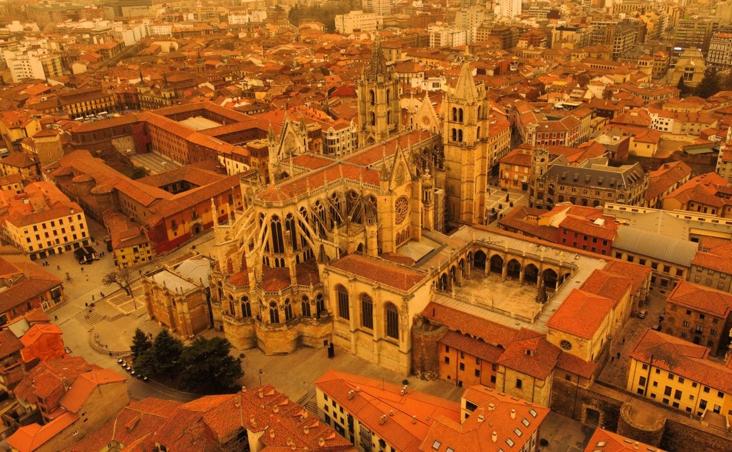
(377, 65)
(465, 87)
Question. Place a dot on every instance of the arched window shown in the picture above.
(372, 97)
(305, 306)
(454, 134)
(278, 244)
(372, 118)
(460, 136)
(454, 114)
(392, 321)
(388, 96)
(477, 134)
(232, 312)
(246, 307)
(274, 313)
(460, 115)
(342, 295)
(388, 117)
(288, 310)
(319, 304)
(367, 312)
(290, 228)
(479, 111)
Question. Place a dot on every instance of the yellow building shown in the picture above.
(679, 374)
(42, 221)
(130, 246)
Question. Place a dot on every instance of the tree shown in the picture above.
(145, 364)
(166, 352)
(140, 344)
(206, 366)
(727, 82)
(710, 84)
(121, 278)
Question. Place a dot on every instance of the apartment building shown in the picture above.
(699, 314)
(43, 221)
(679, 374)
(358, 21)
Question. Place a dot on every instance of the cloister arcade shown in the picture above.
(485, 262)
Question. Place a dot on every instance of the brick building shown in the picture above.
(699, 314)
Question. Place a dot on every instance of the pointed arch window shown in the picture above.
(342, 295)
(320, 304)
(372, 97)
(454, 113)
(278, 244)
(372, 118)
(288, 310)
(460, 115)
(392, 321)
(305, 306)
(367, 311)
(274, 313)
(460, 136)
(246, 307)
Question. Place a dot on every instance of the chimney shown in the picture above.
(351, 394)
(494, 436)
(481, 418)
(513, 413)
(271, 433)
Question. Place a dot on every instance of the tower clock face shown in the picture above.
(401, 208)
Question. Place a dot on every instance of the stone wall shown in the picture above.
(681, 436)
(640, 424)
(425, 348)
(601, 405)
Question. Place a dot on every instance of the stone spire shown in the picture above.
(465, 87)
(377, 65)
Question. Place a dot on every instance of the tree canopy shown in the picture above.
(205, 366)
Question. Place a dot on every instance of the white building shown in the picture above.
(341, 138)
(129, 34)
(720, 50)
(469, 19)
(381, 7)
(40, 64)
(442, 35)
(247, 18)
(508, 8)
(357, 21)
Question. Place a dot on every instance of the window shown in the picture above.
(246, 308)
(305, 306)
(367, 312)
(274, 313)
(288, 310)
(642, 381)
(342, 295)
(519, 383)
(392, 321)
(462, 366)
(447, 360)
(319, 305)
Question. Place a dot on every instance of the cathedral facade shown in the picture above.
(313, 257)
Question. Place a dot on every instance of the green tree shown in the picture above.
(207, 367)
(145, 364)
(710, 84)
(727, 81)
(140, 343)
(166, 352)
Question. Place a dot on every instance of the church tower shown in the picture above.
(378, 100)
(465, 133)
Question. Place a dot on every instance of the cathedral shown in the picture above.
(321, 251)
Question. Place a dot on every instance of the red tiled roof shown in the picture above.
(379, 271)
(592, 309)
(484, 329)
(682, 358)
(701, 298)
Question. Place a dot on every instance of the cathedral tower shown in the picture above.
(378, 100)
(466, 149)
